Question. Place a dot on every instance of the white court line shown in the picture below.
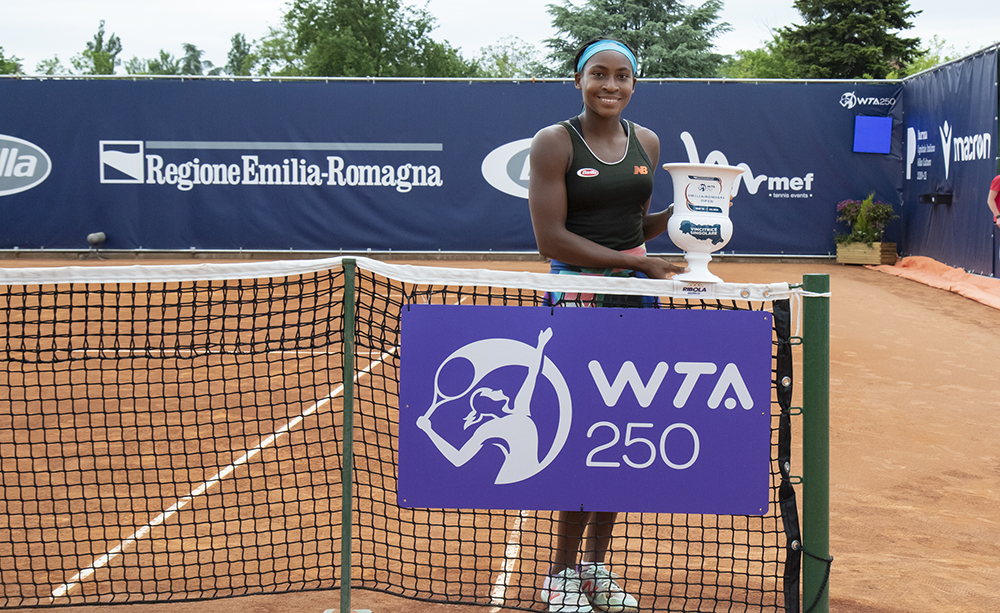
(510, 556)
(105, 559)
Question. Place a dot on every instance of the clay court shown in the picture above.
(915, 450)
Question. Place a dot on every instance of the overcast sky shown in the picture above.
(35, 30)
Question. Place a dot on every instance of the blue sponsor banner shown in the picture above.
(585, 409)
(951, 157)
(401, 166)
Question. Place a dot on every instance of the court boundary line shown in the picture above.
(510, 556)
(102, 561)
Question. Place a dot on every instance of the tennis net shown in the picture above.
(177, 433)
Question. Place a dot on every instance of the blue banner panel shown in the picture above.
(400, 166)
(795, 142)
(951, 157)
(566, 409)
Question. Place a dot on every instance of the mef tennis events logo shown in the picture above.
(187, 165)
(507, 169)
(23, 165)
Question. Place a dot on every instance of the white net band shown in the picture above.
(425, 275)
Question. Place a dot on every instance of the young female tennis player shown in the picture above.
(589, 191)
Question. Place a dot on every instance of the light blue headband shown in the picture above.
(606, 45)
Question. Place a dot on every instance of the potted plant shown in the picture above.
(866, 221)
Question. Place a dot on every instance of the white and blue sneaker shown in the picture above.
(604, 593)
(562, 593)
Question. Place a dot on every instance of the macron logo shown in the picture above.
(945, 131)
(122, 161)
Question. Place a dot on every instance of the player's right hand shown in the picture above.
(657, 268)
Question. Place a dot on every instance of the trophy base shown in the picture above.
(697, 270)
(697, 277)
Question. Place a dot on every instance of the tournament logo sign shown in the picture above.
(595, 409)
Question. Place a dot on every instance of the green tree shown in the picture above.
(136, 66)
(275, 54)
(9, 65)
(363, 38)
(671, 38)
(768, 62)
(936, 52)
(851, 39)
(165, 64)
(240, 57)
(511, 57)
(192, 64)
(51, 67)
(100, 56)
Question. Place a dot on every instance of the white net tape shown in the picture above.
(428, 275)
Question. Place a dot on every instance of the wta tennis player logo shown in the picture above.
(494, 414)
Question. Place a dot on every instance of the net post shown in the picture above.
(347, 461)
(816, 443)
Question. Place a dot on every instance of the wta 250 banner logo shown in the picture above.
(493, 415)
(539, 408)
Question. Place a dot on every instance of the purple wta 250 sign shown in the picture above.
(594, 409)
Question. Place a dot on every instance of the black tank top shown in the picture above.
(605, 201)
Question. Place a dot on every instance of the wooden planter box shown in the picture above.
(860, 253)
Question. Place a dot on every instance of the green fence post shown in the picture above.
(347, 462)
(816, 444)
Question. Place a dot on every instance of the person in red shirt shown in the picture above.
(993, 200)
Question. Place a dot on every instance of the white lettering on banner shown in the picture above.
(779, 187)
(126, 162)
(963, 148)
(730, 378)
(290, 172)
(849, 100)
(630, 440)
(971, 148)
(14, 165)
(917, 145)
(628, 375)
(790, 183)
(23, 165)
(693, 371)
(403, 178)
